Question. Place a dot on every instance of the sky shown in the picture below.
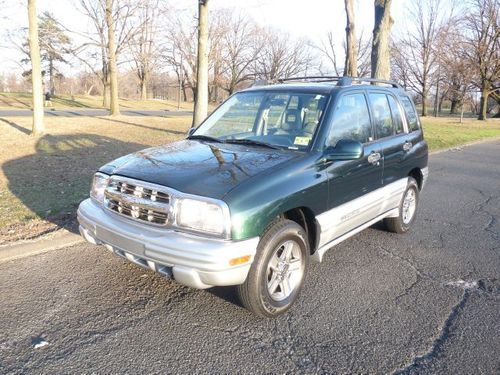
(303, 18)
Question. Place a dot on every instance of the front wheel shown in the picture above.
(407, 209)
(277, 274)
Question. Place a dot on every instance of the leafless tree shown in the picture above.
(144, 43)
(201, 102)
(327, 49)
(112, 65)
(93, 52)
(380, 57)
(482, 38)
(282, 56)
(241, 46)
(417, 52)
(36, 70)
(351, 56)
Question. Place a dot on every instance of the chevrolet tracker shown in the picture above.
(271, 180)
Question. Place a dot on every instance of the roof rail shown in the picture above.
(341, 81)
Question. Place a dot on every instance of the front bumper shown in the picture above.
(191, 260)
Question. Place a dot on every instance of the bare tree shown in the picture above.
(282, 57)
(418, 50)
(380, 59)
(456, 72)
(241, 45)
(36, 70)
(351, 56)
(364, 54)
(327, 50)
(482, 28)
(113, 70)
(93, 52)
(201, 103)
(143, 45)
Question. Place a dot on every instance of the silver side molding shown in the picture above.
(318, 255)
(351, 215)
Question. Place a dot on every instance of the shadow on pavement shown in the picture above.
(53, 181)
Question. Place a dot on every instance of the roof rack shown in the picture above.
(341, 81)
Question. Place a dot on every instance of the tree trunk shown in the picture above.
(483, 104)
(201, 103)
(351, 56)
(36, 70)
(51, 77)
(113, 71)
(424, 105)
(454, 106)
(380, 58)
(105, 92)
(144, 85)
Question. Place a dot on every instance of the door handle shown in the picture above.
(374, 158)
(407, 146)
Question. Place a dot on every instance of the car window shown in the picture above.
(382, 116)
(351, 120)
(285, 119)
(240, 117)
(396, 115)
(411, 115)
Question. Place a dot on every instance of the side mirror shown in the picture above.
(345, 149)
(190, 131)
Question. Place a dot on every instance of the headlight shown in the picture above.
(202, 216)
(99, 184)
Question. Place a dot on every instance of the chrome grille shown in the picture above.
(138, 201)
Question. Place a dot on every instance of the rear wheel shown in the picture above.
(407, 209)
(277, 274)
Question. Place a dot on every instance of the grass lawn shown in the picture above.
(42, 180)
(19, 100)
(445, 132)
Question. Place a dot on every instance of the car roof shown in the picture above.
(325, 88)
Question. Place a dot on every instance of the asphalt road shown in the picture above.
(424, 302)
(91, 112)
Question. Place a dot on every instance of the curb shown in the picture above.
(459, 147)
(53, 241)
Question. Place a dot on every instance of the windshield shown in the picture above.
(278, 119)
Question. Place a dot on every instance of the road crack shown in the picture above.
(444, 332)
(487, 286)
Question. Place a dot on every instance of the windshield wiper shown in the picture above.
(205, 138)
(251, 142)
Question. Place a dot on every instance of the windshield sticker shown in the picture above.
(302, 141)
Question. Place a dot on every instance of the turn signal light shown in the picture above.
(240, 260)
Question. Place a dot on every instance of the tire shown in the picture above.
(272, 285)
(403, 222)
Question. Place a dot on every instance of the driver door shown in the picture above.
(352, 184)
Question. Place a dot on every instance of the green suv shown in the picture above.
(272, 179)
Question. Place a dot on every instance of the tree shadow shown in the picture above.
(53, 181)
(169, 131)
(15, 126)
(70, 102)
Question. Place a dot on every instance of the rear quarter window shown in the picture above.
(411, 114)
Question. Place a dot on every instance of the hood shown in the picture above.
(198, 167)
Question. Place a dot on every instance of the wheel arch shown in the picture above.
(417, 174)
(305, 217)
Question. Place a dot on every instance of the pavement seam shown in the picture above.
(443, 334)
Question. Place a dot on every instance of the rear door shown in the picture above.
(391, 133)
